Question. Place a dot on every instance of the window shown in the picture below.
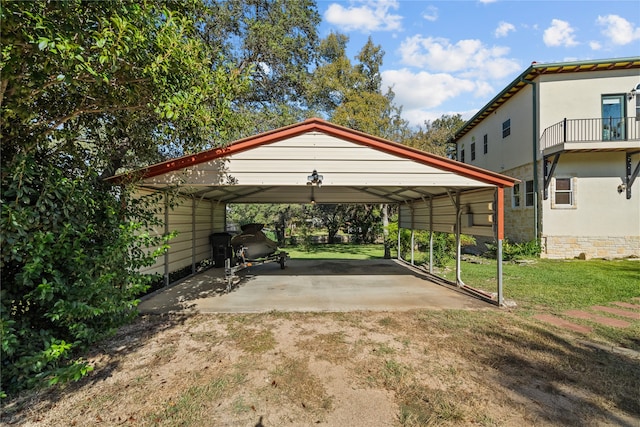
(563, 192)
(515, 196)
(486, 144)
(506, 128)
(473, 151)
(462, 156)
(529, 193)
(613, 117)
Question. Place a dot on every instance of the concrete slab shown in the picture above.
(313, 285)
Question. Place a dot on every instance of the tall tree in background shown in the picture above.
(85, 89)
(435, 136)
(352, 96)
(277, 41)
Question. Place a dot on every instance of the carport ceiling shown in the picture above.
(274, 167)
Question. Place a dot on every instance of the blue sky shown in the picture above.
(449, 57)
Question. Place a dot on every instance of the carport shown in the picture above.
(316, 161)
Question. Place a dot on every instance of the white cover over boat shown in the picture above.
(255, 243)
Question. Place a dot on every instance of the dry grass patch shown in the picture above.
(416, 368)
(297, 386)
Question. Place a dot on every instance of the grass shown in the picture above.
(556, 285)
(336, 251)
(449, 367)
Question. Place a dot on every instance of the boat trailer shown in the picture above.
(240, 262)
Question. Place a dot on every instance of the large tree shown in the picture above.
(352, 95)
(435, 137)
(87, 88)
(276, 41)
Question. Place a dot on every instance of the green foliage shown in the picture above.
(275, 41)
(71, 246)
(86, 89)
(444, 244)
(512, 251)
(436, 135)
(352, 95)
(119, 77)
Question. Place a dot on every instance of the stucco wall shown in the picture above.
(578, 95)
(506, 153)
(600, 210)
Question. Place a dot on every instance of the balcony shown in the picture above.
(612, 134)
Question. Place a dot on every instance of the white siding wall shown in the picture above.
(477, 217)
(193, 220)
(289, 162)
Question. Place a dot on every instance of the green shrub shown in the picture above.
(71, 246)
(512, 251)
(444, 244)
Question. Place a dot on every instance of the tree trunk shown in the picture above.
(385, 231)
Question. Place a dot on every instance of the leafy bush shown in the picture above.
(512, 251)
(444, 244)
(71, 246)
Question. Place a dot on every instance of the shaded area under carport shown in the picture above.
(312, 285)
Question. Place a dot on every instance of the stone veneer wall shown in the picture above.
(559, 247)
(518, 222)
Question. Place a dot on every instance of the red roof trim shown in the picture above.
(319, 125)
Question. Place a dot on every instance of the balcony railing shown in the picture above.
(591, 130)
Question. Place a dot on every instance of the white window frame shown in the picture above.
(528, 193)
(516, 196)
(572, 193)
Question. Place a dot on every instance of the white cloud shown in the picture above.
(488, 1)
(431, 14)
(365, 15)
(560, 33)
(503, 29)
(470, 58)
(618, 30)
(419, 93)
(594, 45)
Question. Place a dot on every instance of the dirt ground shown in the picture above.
(410, 368)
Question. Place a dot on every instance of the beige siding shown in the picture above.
(439, 214)
(289, 162)
(193, 220)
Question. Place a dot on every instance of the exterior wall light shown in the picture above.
(314, 179)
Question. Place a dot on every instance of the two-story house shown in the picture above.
(570, 132)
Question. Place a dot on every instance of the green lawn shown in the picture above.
(543, 284)
(337, 251)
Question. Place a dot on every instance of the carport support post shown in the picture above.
(166, 233)
(193, 235)
(431, 235)
(499, 216)
(412, 244)
(399, 233)
(458, 251)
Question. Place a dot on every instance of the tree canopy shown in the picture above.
(87, 88)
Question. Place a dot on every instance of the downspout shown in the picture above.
(534, 145)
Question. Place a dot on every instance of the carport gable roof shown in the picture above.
(462, 176)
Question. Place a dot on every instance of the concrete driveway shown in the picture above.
(312, 285)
